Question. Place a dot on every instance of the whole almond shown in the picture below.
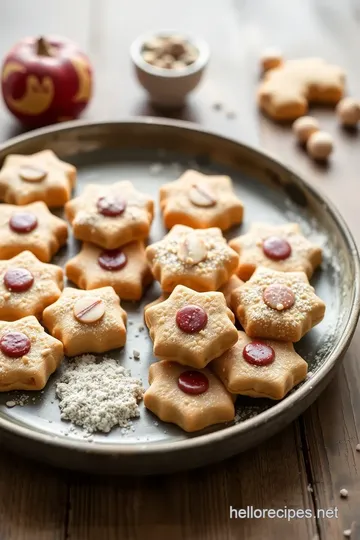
(192, 249)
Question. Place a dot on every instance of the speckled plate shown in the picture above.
(150, 152)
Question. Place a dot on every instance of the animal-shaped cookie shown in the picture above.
(200, 201)
(110, 215)
(277, 305)
(192, 399)
(87, 321)
(191, 328)
(280, 247)
(260, 368)
(125, 269)
(27, 286)
(38, 177)
(286, 91)
(32, 227)
(28, 355)
(197, 258)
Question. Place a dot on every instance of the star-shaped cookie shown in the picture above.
(191, 328)
(110, 215)
(32, 227)
(27, 286)
(124, 269)
(198, 258)
(28, 355)
(200, 201)
(260, 368)
(87, 321)
(192, 399)
(277, 305)
(280, 247)
(38, 177)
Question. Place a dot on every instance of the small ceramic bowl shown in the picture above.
(168, 88)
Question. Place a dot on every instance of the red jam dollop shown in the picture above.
(258, 353)
(191, 319)
(110, 206)
(15, 344)
(193, 382)
(278, 296)
(112, 259)
(23, 222)
(276, 248)
(18, 279)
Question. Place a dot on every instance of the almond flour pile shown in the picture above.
(98, 395)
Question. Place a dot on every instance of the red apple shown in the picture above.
(46, 80)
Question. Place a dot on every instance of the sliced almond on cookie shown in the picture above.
(192, 249)
(202, 195)
(89, 309)
(31, 173)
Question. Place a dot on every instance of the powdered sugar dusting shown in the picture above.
(98, 395)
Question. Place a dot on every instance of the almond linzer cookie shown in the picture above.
(192, 399)
(111, 215)
(280, 247)
(27, 286)
(32, 227)
(200, 201)
(197, 258)
(191, 328)
(38, 177)
(87, 321)
(277, 305)
(28, 355)
(260, 368)
(124, 269)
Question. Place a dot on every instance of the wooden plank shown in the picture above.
(332, 425)
(33, 500)
(196, 504)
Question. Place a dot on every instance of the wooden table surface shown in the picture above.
(307, 464)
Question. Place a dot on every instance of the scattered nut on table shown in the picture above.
(305, 126)
(348, 111)
(169, 52)
(320, 145)
(270, 58)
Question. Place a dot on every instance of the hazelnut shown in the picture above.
(271, 58)
(305, 126)
(175, 46)
(154, 45)
(320, 145)
(168, 60)
(348, 111)
(178, 65)
(150, 57)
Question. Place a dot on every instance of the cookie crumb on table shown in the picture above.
(344, 493)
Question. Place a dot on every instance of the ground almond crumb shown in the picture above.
(98, 394)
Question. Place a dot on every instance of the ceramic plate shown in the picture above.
(150, 152)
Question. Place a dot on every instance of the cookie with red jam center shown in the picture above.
(192, 399)
(279, 247)
(191, 328)
(28, 355)
(277, 305)
(260, 368)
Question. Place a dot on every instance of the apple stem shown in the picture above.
(43, 47)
